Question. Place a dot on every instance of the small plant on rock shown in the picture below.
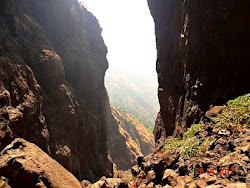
(236, 113)
(189, 145)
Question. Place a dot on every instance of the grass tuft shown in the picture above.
(236, 113)
(189, 145)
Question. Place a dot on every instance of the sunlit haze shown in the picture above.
(128, 32)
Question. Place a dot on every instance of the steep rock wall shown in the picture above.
(52, 66)
(203, 58)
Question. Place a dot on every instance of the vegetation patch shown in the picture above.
(235, 113)
(189, 145)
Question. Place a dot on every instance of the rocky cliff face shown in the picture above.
(127, 139)
(203, 55)
(52, 66)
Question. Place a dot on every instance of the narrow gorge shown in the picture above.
(58, 128)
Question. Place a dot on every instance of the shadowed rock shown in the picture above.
(26, 165)
(203, 54)
(52, 67)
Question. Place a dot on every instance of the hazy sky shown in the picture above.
(128, 32)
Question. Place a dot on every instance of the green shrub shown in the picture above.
(236, 112)
(192, 130)
(240, 102)
(189, 145)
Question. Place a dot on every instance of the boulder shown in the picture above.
(213, 112)
(4, 182)
(150, 185)
(113, 182)
(26, 165)
(200, 183)
(236, 185)
(85, 183)
(135, 170)
(98, 184)
(150, 176)
(170, 178)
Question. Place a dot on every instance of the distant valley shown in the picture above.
(134, 93)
